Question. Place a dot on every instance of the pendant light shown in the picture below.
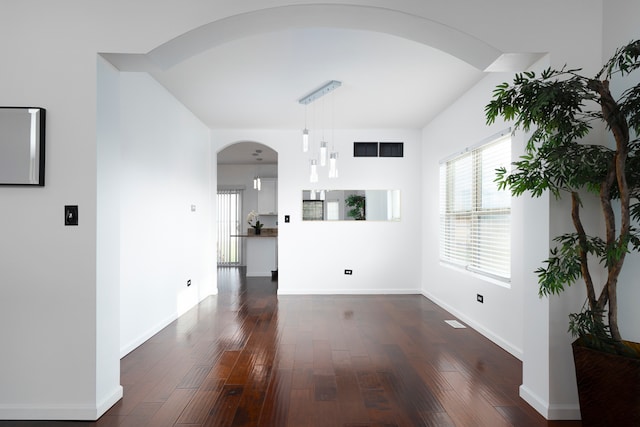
(257, 183)
(305, 133)
(323, 153)
(313, 176)
(305, 140)
(323, 150)
(333, 164)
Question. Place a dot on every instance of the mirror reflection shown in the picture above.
(351, 205)
(22, 146)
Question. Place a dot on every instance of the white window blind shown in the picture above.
(229, 249)
(475, 217)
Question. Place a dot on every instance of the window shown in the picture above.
(229, 249)
(475, 217)
(333, 210)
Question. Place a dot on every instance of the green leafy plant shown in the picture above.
(253, 221)
(559, 108)
(357, 203)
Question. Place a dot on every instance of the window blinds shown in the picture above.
(475, 217)
(229, 249)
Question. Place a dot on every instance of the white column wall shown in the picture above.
(166, 217)
(108, 237)
(620, 28)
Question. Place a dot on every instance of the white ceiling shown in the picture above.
(256, 81)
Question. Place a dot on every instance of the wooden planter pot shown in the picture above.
(608, 387)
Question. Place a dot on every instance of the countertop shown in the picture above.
(265, 232)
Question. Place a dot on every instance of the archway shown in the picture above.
(247, 174)
(412, 27)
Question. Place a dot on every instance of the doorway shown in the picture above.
(247, 176)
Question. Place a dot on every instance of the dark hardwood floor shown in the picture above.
(248, 357)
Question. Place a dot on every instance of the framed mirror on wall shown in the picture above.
(351, 205)
(22, 145)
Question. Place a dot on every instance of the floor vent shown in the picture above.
(455, 324)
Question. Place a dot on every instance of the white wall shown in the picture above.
(620, 28)
(165, 171)
(49, 297)
(108, 237)
(59, 308)
(539, 336)
(312, 256)
(500, 316)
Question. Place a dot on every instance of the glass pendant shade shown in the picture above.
(323, 194)
(333, 165)
(257, 183)
(313, 177)
(312, 194)
(323, 153)
(305, 140)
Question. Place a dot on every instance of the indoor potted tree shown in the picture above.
(357, 203)
(559, 108)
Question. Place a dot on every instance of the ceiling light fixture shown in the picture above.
(257, 182)
(323, 150)
(323, 153)
(333, 165)
(313, 176)
(319, 93)
(305, 139)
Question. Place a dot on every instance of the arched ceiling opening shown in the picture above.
(248, 71)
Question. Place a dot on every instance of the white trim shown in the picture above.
(495, 136)
(109, 401)
(459, 44)
(349, 292)
(550, 411)
(505, 345)
(137, 342)
(60, 412)
(505, 283)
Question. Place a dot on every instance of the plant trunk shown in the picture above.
(582, 239)
(620, 129)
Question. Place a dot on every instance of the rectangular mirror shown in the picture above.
(22, 131)
(351, 205)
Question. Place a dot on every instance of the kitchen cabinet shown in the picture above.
(262, 255)
(268, 197)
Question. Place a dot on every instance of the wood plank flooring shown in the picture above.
(250, 357)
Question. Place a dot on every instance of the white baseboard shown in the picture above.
(60, 412)
(133, 344)
(349, 292)
(550, 411)
(505, 345)
(109, 401)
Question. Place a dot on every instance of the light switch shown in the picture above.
(71, 215)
